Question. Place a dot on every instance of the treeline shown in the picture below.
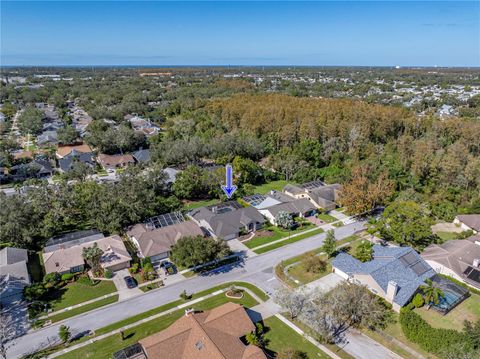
(28, 219)
(431, 161)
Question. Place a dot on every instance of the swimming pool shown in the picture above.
(453, 295)
(448, 301)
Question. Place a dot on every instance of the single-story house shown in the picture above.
(65, 164)
(297, 208)
(64, 255)
(215, 333)
(38, 168)
(468, 222)
(142, 156)
(47, 137)
(321, 195)
(394, 273)
(227, 220)
(111, 162)
(63, 151)
(459, 259)
(157, 242)
(13, 274)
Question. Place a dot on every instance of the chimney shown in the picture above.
(392, 289)
(476, 262)
(189, 311)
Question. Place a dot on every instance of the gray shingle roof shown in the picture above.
(471, 220)
(10, 255)
(142, 156)
(402, 265)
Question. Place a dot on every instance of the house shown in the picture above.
(111, 162)
(156, 243)
(47, 137)
(459, 259)
(63, 151)
(227, 220)
(64, 254)
(321, 195)
(65, 164)
(394, 273)
(212, 334)
(142, 156)
(13, 274)
(141, 125)
(38, 168)
(468, 222)
(297, 208)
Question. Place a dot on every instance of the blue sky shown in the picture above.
(241, 33)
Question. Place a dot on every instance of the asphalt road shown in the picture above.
(257, 270)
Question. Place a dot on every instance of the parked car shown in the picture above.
(130, 282)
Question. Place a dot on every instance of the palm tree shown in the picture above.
(431, 293)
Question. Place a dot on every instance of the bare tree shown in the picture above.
(7, 333)
(292, 301)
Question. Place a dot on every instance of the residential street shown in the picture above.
(257, 270)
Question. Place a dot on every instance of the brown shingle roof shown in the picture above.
(214, 334)
(115, 160)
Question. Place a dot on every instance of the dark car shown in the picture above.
(130, 282)
(168, 268)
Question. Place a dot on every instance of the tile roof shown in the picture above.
(214, 334)
(402, 265)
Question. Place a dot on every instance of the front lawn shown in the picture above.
(275, 233)
(288, 241)
(280, 336)
(84, 308)
(299, 273)
(469, 309)
(326, 217)
(267, 187)
(77, 292)
(106, 347)
(196, 204)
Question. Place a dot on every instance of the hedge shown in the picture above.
(433, 340)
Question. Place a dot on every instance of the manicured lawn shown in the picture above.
(196, 204)
(276, 234)
(326, 217)
(280, 337)
(171, 305)
(267, 187)
(84, 308)
(469, 309)
(75, 293)
(106, 347)
(299, 273)
(288, 241)
(446, 236)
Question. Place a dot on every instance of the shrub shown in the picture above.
(108, 274)
(36, 291)
(313, 263)
(146, 261)
(433, 340)
(67, 277)
(134, 268)
(52, 280)
(148, 272)
(364, 251)
(85, 280)
(418, 301)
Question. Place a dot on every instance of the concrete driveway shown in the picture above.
(324, 284)
(238, 247)
(123, 291)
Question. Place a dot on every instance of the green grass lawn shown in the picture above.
(75, 293)
(267, 187)
(447, 236)
(326, 217)
(280, 337)
(106, 347)
(288, 241)
(299, 273)
(196, 204)
(469, 309)
(277, 233)
(84, 308)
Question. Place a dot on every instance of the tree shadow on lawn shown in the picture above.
(240, 263)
